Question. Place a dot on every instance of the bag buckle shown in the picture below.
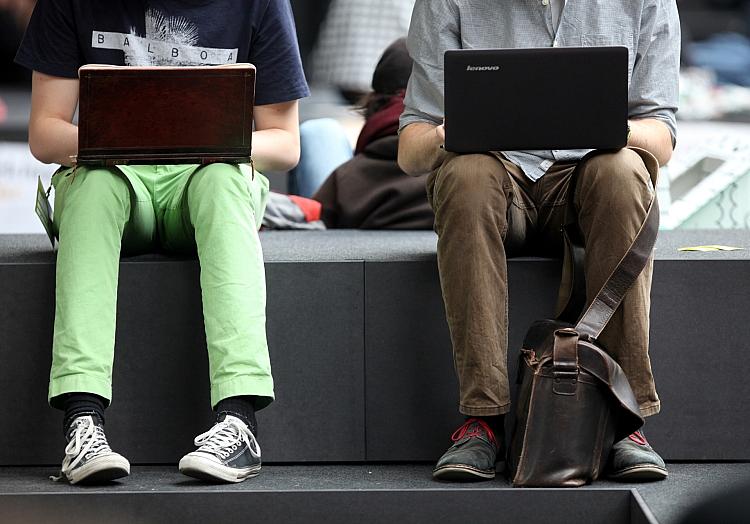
(565, 362)
(565, 382)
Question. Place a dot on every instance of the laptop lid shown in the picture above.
(165, 115)
(539, 98)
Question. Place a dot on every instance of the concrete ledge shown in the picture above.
(343, 507)
(361, 493)
(360, 349)
(315, 493)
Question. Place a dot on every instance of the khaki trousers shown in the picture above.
(486, 209)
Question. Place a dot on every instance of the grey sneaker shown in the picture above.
(227, 452)
(88, 457)
(633, 460)
(473, 456)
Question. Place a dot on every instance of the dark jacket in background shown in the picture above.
(371, 192)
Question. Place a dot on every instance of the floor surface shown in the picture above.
(687, 484)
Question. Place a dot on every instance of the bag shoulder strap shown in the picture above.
(612, 293)
(573, 281)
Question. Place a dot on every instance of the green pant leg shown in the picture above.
(220, 210)
(92, 210)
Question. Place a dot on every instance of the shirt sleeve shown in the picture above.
(50, 44)
(654, 89)
(433, 30)
(275, 54)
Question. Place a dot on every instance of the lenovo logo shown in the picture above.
(483, 68)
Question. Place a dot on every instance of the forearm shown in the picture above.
(419, 148)
(53, 140)
(275, 150)
(652, 135)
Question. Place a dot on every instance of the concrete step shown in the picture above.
(360, 349)
(343, 494)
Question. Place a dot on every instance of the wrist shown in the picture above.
(440, 136)
(440, 154)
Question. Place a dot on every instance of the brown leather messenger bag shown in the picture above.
(574, 400)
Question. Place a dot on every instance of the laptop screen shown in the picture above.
(165, 114)
(536, 99)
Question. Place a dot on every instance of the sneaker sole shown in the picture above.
(100, 470)
(461, 472)
(641, 473)
(205, 469)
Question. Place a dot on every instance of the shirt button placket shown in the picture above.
(545, 3)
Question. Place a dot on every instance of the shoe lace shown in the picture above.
(226, 436)
(474, 427)
(638, 438)
(87, 441)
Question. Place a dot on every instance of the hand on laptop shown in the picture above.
(421, 148)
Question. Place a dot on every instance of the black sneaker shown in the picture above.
(88, 457)
(227, 452)
(633, 460)
(473, 456)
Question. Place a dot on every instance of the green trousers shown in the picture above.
(214, 209)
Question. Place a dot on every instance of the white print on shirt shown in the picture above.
(168, 41)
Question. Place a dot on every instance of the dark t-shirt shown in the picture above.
(63, 35)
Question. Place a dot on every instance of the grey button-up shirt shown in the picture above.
(650, 29)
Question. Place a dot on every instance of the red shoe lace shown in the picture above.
(476, 431)
(638, 438)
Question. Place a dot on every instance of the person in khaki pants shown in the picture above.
(498, 204)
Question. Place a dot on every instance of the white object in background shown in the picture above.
(18, 182)
(710, 160)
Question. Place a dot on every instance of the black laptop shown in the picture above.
(538, 98)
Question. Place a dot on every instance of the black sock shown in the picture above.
(496, 424)
(241, 407)
(78, 404)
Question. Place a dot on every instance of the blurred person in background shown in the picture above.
(351, 39)
(14, 17)
(726, 50)
(370, 191)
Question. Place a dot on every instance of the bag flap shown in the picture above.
(594, 360)
(540, 339)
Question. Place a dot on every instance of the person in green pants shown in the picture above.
(214, 210)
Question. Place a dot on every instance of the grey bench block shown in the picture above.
(160, 382)
(26, 318)
(412, 390)
(700, 338)
(317, 368)
(699, 333)
(360, 349)
(316, 339)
